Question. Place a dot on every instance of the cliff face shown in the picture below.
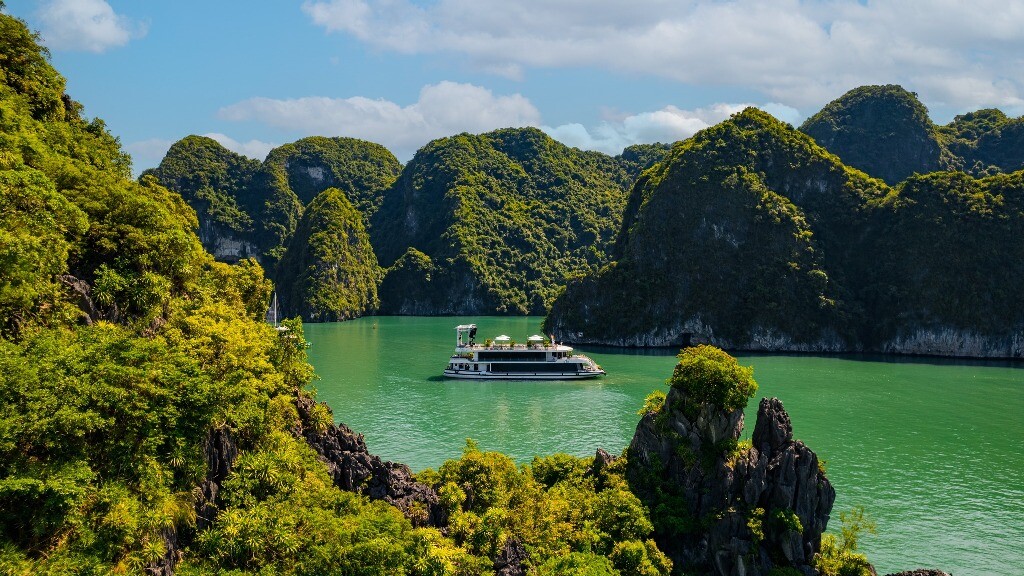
(248, 208)
(222, 188)
(740, 512)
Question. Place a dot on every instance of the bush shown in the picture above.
(710, 375)
(653, 403)
(838, 556)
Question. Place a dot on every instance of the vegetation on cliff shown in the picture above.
(361, 170)
(986, 142)
(259, 204)
(720, 243)
(947, 255)
(329, 272)
(749, 235)
(882, 130)
(721, 506)
(505, 217)
(232, 195)
(886, 132)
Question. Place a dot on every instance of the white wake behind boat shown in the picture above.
(503, 359)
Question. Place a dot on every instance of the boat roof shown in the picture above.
(465, 326)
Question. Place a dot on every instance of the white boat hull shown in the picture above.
(471, 375)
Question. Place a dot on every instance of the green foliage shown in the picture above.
(882, 130)
(839, 557)
(652, 403)
(636, 558)
(329, 271)
(732, 236)
(755, 523)
(985, 142)
(562, 513)
(786, 520)
(710, 375)
(577, 564)
(38, 227)
(505, 217)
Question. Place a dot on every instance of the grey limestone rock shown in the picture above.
(774, 484)
(354, 469)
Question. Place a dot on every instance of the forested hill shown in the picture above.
(497, 222)
(749, 235)
(491, 223)
(886, 132)
(251, 208)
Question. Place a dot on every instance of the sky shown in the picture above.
(595, 74)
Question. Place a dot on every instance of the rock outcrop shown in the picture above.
(221, 450)
(354, 469)
(920, 572)
(730, 512)
(511, 558)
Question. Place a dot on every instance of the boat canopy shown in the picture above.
(502, 338)
(535, 338)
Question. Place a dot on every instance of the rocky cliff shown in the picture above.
(738, 238)
(725, 509)
(251, 208)
(237, 216)
(985, 142)
(354, 469)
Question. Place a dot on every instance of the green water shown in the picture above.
(932, 450)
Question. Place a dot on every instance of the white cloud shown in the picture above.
(799, 52)
(255, 149)
(442, 109)
(90, 25)
(147, 153)
(670, 124)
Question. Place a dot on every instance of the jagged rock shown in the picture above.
(511, 559)
(354, 469)
(920, 572)
(602, 459)
(164, 566)
(221, 451)
(771, 484)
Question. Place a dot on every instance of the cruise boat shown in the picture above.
(503, 359)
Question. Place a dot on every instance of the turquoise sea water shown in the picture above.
(932, 449)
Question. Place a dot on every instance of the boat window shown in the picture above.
(474, 367)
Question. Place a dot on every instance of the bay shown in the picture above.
(932, 449)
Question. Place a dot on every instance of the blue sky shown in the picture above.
(597, 74)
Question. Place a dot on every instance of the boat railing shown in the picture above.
(508, 347)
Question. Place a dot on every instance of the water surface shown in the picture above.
(932, 449)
